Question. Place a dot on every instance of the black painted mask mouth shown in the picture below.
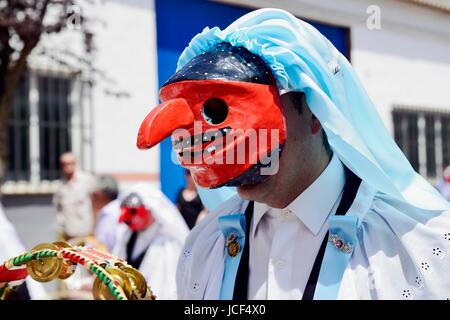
(253, 175)
(204, 137)
(194, 146)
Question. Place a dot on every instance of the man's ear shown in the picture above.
(306, 111)
(315, 125)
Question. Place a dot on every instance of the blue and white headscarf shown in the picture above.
(302, 59)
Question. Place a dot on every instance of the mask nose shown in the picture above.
(163, 120)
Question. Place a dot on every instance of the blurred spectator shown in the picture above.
(73, 206)
(106, 209)
(151, 237)
(443, 185)
(189, 202)
(11, 246)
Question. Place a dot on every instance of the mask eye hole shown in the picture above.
(215, 111)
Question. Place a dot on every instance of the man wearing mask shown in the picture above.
(151, 237)
(328, 209)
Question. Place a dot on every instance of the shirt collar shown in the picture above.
(313, 205)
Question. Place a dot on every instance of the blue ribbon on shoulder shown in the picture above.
(232, 227)
(341, 243)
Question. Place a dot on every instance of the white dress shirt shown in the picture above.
(401, 252)
(279, 269)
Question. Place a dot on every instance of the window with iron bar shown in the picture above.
(39, 128)
(424, 137)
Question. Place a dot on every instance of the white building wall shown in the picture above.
(125, 89)
(403, 68)
(127, 53)
(406, 62)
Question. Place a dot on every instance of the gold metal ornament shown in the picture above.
(68, 267)
(233, 247)
(45, 269)
(49, 261)
(101, 291)
(62, 244)
(137, 281)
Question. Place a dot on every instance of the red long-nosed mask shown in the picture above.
(225, 118)
(135, 214)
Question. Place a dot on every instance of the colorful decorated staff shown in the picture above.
(115, 280)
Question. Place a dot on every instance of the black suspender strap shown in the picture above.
(136, 262)
(240, 292)
(130, 244)
(350, 189)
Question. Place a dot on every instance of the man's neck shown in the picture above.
(295, 187)
(70, 177)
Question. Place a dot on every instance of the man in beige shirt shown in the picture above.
(73, 206)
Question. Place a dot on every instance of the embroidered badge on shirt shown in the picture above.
(339, 243)
(233, 247)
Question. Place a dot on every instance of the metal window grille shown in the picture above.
(42, 102)
(430, 136)
(54, 124)
(424, 137)
(18, 162)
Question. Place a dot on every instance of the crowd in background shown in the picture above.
(138, 224)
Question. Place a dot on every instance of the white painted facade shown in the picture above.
(105, 121)
(405, 63)
(127, 52)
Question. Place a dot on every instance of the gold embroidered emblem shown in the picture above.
(233, 247)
